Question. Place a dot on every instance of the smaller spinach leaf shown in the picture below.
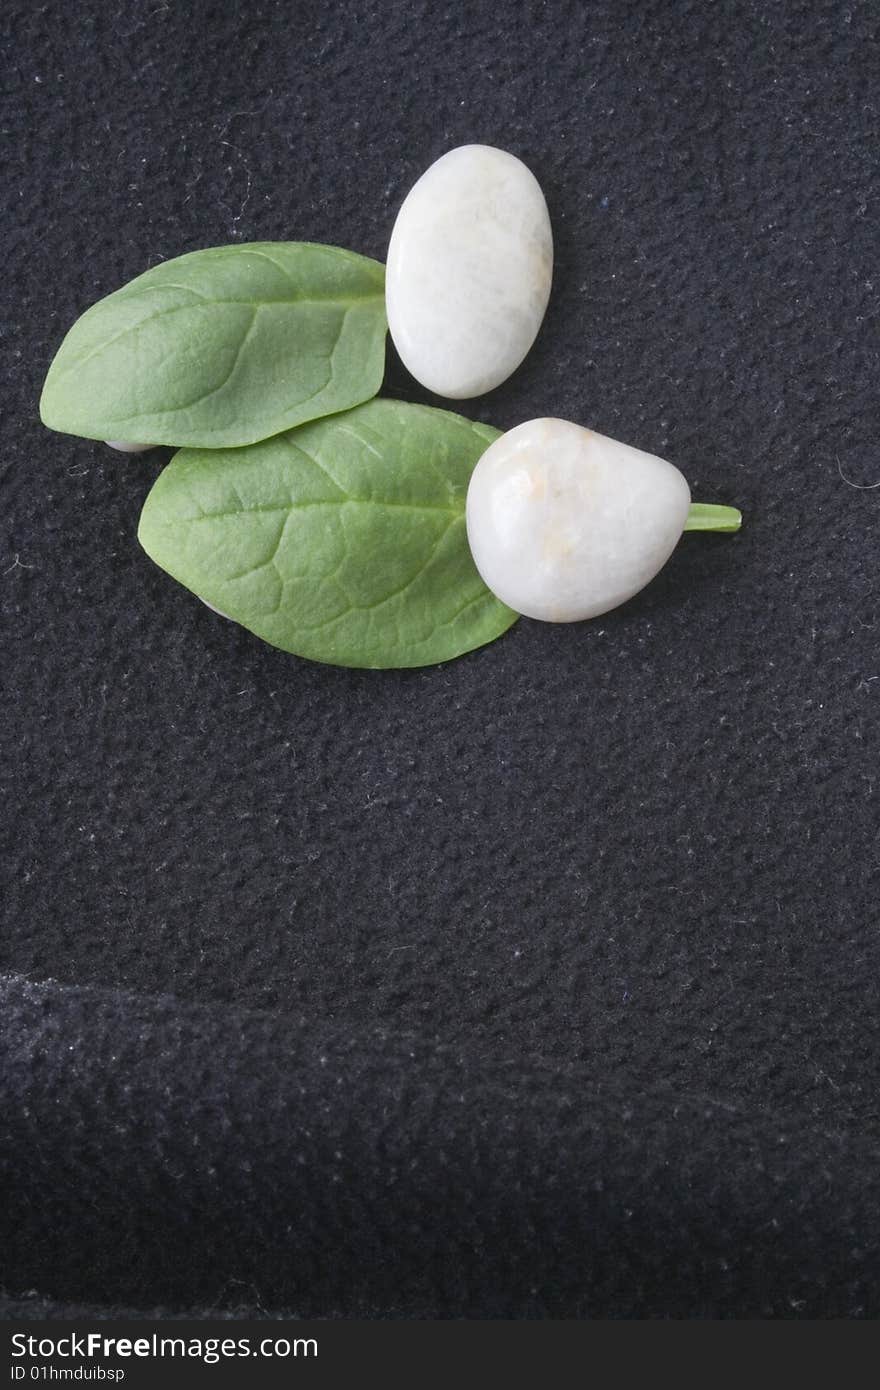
(223, 347)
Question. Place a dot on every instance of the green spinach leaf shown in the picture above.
(223, 347)
(343, 540)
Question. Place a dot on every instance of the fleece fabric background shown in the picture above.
(546, 982)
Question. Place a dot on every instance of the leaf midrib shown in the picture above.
(329, 502)
(345, 303)
(347, 298)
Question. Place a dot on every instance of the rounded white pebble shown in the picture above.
(125, 448)
(564, 524)
(470, 263)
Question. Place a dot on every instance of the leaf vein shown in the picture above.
(455, 513)
(206, 395)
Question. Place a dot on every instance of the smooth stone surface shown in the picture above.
(469, 269)
(565, 524)
(125, 448)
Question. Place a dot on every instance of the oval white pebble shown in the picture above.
(125, 448)
(564, 524)
(470, 263)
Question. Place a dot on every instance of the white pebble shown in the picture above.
(565, 524)
(469, 269)
(125, 448)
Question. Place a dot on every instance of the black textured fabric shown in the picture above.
(545, 982)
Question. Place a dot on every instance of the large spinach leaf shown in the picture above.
(343, 540)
